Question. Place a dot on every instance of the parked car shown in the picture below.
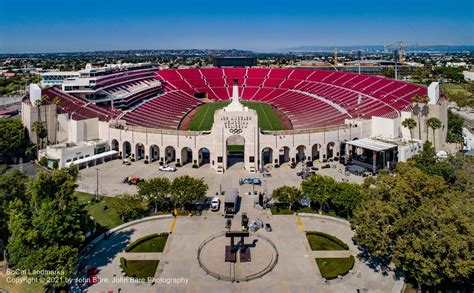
(167, 168)
(314, 168)
(268, 227)
(126, 162)
(215, 204)
(255, 181)
(132, 180)
(255, 225)
(327, 166)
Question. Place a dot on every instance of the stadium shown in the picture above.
(220, 116)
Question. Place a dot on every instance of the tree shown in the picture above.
(41, 131)
(319, 189)
(12, 137)
(129, 207)
(434, 123)
(186, 190)
(12, 186)
(455, 125)
(420, 74)
(419, 101)
(409, 123)
(288, 195)
(415, 220)
(156, 192)
(388, 72)
(347, 197)
(48, 227)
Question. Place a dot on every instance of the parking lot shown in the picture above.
(112, 174)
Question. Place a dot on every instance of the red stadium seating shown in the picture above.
(310, 98)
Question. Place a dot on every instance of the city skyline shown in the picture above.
(55, 26)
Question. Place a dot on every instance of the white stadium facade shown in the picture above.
(135, 112)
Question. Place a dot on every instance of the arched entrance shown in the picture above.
(315, 152)
(154, 153)
(300, 153)
(127, 149)
(330, 150)
(284, 155)
(114, 145)
(204, 156)
(186, 155)
(235, 146)
(170, 154)
(139, 151)
(267, 156)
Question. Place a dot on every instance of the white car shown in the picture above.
(215, 204)
(168, 168)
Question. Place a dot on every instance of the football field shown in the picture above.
(204, 118)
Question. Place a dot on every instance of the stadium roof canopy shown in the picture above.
(371, 144)
(92, 158)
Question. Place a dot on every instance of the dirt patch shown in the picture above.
(285, 121)
(184, 124)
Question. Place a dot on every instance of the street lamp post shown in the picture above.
(97, 186)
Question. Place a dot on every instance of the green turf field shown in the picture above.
(204, 118)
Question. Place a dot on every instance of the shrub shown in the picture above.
(161, 163)
(178, 165)
(43, 161)
(276, 166)
(55, 164)
(195, 166)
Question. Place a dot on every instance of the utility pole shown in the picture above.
(97, 186)
(359, 56)
(395, 58)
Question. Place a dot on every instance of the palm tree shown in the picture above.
(410, 123)
(434, 123)
(417, 111)
(41, 131)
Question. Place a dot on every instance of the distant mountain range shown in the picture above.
(379, 48)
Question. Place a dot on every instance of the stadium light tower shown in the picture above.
(395, 58)
(359, 56)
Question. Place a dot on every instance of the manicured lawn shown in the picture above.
(150, 243)
(107, 218)
(139, 268)
(23, 287)
(204, 118)
(267, 119)
(283, 211)
(330, 268)
(322, 241)
(235, 148)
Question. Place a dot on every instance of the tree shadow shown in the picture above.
(105, 251)
(378, 264)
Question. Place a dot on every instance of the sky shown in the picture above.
(263, 26)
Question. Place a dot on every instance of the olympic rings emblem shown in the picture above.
(235, 131)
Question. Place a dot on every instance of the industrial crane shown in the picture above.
(401, 46)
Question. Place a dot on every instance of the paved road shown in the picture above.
(296, 270)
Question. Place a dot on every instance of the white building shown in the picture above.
(383, 141)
